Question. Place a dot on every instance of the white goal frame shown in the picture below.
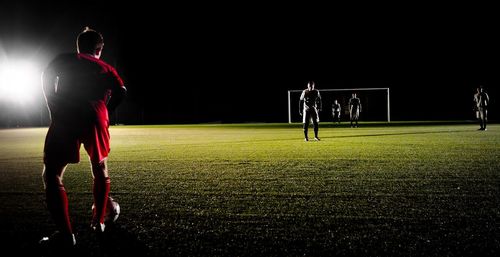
(343, 89)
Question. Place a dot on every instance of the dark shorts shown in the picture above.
(63, 141)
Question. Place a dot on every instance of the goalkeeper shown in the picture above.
(309, 106)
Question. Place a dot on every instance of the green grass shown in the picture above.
(260, 190)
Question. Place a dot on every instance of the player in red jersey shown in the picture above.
(79, 90)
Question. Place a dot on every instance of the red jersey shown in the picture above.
(78, 87)
(79, 90)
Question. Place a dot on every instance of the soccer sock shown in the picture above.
(306, 126)
(316, 129)
(101, 190)
(57, 203)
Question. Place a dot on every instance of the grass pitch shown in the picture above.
(260, 190)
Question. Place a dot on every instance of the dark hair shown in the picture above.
(88, 41)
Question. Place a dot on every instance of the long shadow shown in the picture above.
(401, 133)
(116, 241)
(346, 136)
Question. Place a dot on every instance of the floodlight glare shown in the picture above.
(19, 81)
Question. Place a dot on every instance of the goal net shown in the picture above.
(375, 104)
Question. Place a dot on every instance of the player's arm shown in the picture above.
(319, 103)
(49, 88)
(118, 91)
(301, 103)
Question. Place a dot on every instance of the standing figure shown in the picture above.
(309, 106)
(354, 109)
(481, 101)
(79, 89)
(336, 111)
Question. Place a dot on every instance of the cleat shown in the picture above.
(58, 240)
(317, 139)
(98, 227)
(306, 139)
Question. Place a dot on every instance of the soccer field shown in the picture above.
(260, 190)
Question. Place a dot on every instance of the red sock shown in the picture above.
(57, 203)
(101, 191)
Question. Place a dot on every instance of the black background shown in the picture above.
(234, 63)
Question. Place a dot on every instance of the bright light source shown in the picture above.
(19, 81)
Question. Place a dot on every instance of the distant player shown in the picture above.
(336, 111)
(309, 106)
(481, 101)
(354, 110)
(79, 90)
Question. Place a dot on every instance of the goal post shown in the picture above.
(375, 102)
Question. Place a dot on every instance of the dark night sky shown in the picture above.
(234, 63)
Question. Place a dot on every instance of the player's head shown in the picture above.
(480, 88)
(353, 94)
(310, 85)
(335, 101)
(90, 42)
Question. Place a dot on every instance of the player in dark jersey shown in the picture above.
(79, 90)
(481, 100)
(354, 109)
(309, 106)
(336, 111)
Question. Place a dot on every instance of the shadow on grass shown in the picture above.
(401, 133)
(348, 136)
(116, 241)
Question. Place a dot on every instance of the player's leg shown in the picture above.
(100, 190)
(485, 118)
(61, 147)
(351, 117)
(96, 143)
(481, 118)
(307, 117)
(57, 201)
(357, 117)
(478, 117)
(315, 118)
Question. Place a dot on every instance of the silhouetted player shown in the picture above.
(481, 100)
(354, 109)
(309, 106)
(79, 90)
(336, 111)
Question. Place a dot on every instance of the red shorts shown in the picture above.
(63, 141)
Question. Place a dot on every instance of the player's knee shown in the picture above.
(51, 180)
(100, 170)
(52, 175)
